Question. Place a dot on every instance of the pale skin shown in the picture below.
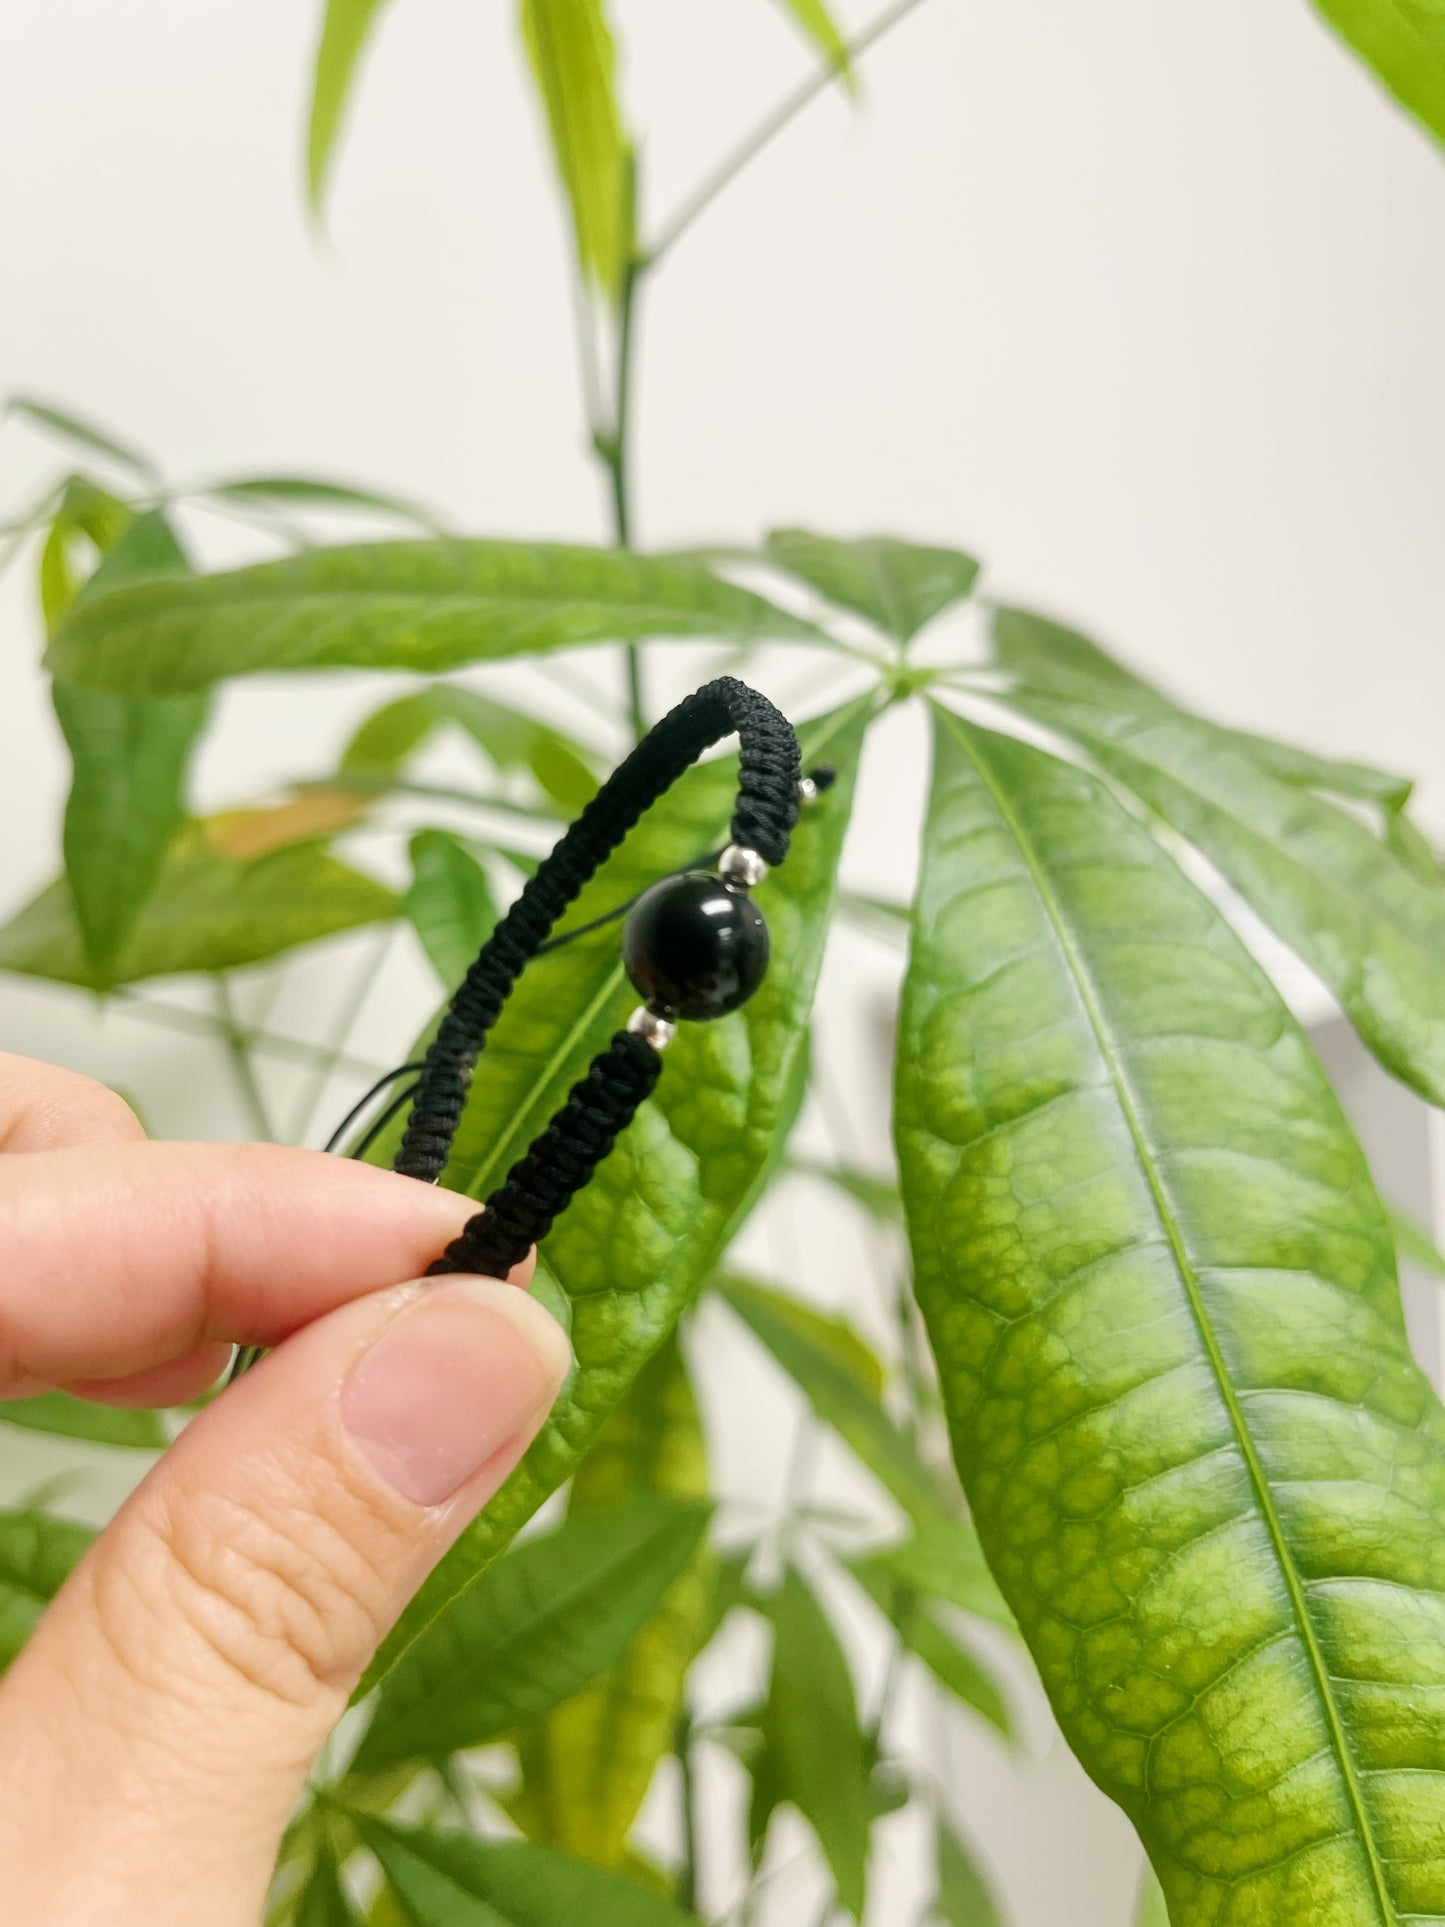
(158, 1727)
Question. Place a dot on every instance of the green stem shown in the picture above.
(436, 792)
(614, 448)
(177, 1017)
(238, 1046)
(689, 1880)
(329, 1056)
(768, 128)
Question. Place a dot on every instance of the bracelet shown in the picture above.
(694, 944)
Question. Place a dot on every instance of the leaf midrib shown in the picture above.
(1109, 1051)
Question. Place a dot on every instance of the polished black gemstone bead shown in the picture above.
(694, 947)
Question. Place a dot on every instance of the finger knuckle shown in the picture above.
(276, 1592)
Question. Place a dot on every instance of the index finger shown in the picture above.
(120, 1258)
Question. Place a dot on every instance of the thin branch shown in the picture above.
(768, 129)
(330, 1054)
(157, 1010)
(238, 1047)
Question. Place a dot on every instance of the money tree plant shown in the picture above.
(1199, 1478)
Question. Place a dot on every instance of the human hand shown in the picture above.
(159, 1726)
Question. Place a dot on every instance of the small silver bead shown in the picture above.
(742, 867)
(652, 1028)
(807, 792)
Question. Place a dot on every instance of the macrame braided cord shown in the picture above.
(561, 1160)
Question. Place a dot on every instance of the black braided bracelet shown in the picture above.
(694, 944)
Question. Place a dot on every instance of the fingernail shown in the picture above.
(468, 1370)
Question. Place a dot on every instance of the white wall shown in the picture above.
(1143, 303)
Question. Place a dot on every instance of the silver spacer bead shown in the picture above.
(807, 792)
(652, 1028)
(741, 867)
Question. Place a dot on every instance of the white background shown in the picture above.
(1143, 304)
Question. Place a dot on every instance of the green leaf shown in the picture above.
(945, 1563)
(964, 1899)
(130, 761)
(634, 1249)
(818, 24)
(76, 1418)
(208, 912)
(422, 606)
(509, 739)
(345, 29)
(958, 1670)
(81, 434)
(449, 902)
(323, 1901)
(1150, 1910)
(812, 1737)
(1330, 888)
(896, 585)
(454, 1880)
(1038, 649)
(37, 1554)
(569, 43)
(1161, 1292)
(309, 492)
(817, 1358)
(1329, 774)
(1404, 41)
(1414, 1243)
(545, 1621)
(878, 1196)
(587, 1766)
(1047, 655)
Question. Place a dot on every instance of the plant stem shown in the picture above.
(238, 1046)
(689, 1880)
(329, 1055)
(178, 1017)
(614, 447)
(436, 792)
(768, 128)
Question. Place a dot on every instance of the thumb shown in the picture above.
(158, 1728)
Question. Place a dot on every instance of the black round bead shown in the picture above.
(695, 947)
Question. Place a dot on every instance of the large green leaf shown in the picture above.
(841, 1395)
(346, 26)
(423, 606)
(545, 1621)
(1371, 929)
(449, 902)
(897, 585)
(37, 1553)
(818, 1759)
(635, 1248)
(569, 43)
(76, 1418)
(1404, 41)
(587, 1766)
(1206, 1471)
(130, 757)
(207, 912)
(454, 1880)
